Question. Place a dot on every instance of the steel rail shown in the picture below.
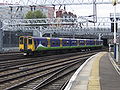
(42, 58)
(73, 63)
(39, 69)
(54, 77)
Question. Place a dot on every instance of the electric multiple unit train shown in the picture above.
(29, 44)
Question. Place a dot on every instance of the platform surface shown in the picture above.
(98, 74)
(109, 78)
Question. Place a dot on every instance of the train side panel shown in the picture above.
(36, 44)
(40, 44)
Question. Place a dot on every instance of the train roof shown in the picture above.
(60, 38)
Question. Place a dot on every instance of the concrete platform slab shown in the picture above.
(99, 73)
(109, 78)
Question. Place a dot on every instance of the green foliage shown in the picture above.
(29, 15)
(34, 15)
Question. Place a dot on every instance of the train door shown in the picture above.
(25, 43)
(31, 46)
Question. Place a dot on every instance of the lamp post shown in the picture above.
(114, 2)
(114, 24)
(1, 36)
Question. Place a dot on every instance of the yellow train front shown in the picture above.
(29, 45)
(26, 44)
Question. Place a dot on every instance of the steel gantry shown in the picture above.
(78, 26)
(55, 2)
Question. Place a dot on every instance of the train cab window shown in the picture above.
(30, 41)
(21, 40)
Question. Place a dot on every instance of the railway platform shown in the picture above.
(99, 72)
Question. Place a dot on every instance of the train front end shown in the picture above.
(26, 44)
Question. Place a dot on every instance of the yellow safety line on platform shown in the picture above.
(94, 81)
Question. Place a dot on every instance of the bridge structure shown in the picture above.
(80, 27)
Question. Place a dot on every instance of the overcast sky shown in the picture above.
(86, 10)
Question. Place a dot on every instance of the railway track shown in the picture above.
(18, 55)
(21, 77)
(18, 62)
(11, 56)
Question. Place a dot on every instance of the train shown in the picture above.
(31, 45)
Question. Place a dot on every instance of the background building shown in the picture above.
(67, 16)
(20, 11)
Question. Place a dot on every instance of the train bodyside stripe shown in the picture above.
(85, 42)
(95, 42)
(77, 42)
(48, 42)
(60, 42)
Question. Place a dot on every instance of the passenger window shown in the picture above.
(81, 42)
(88, 42)
(57, 43)
(44, 43)
(53, 42)
(74, 42)
(67, 42)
